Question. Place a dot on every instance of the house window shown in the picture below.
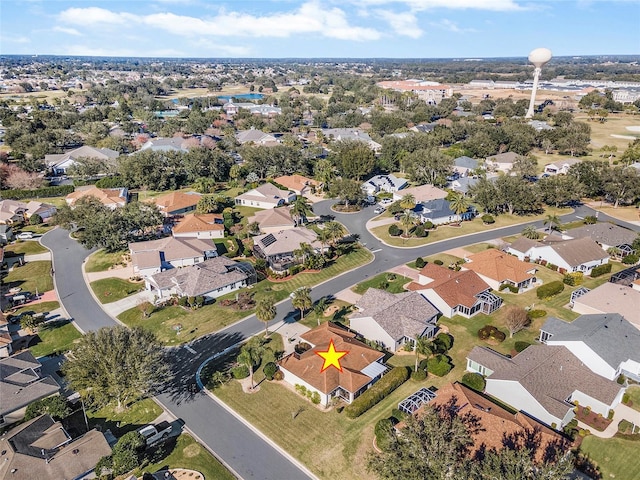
(544, 336)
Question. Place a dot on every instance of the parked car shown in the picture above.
(386, 201)
(154, 433)
(25, 236)
(379, 210)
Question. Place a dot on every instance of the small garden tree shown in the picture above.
(515, 319)
(265, 312)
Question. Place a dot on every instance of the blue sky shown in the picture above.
(319, 28)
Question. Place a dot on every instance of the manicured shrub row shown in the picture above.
(490, 332)
(110, 182)
(44, 192)
(474, 381)
(310, 394)
(550, 289)
(377, 392)
(600, 270)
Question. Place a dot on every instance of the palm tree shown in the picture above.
(265, 312)
(250, 355)
(335, 231)
(408, 202)
(530, 232)
(319, 308)
(303, 252)
(459, 204)
(422, 346)
(300, 210)
(553, 221)
(301, 299)
(407, 219)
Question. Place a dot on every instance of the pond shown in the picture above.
(242, 96)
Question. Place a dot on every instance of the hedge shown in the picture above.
(631, 259)
(600, 270)
(377, 392)
(45, 192)
(474, 381)
(110, 182)
(520, 346)
(550, 289)
(439, 365)
(506, 286)
(420, 262)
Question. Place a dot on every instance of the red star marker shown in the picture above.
(332, 357)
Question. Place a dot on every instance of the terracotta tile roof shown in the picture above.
(307, 365)
(455, 288)
(275, 217)
(199, 223)
(499, 266)
(175, 201)
(107, 196)
(295, 182)
(267, 193)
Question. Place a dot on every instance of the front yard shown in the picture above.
(135, 416)
(113, 289)
(31, 276)
(101, 261)
(29, 247)
(54, 336)
(617, 457)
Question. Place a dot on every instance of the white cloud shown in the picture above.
(446, 24)
(403, 23)
(310, 18)
(214, 49)
(418, 5)
(15, 39)
(68, 31)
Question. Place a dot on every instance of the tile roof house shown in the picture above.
(464, 165)
(439, 212)
(212, 278)
(498, 268)
(543, 381)
(22, 383)
(455, 293)
(157, 144)
(611, 298)
(273, 220)
(12, 212)
(196, 225)
(422, 193)
(351, 134)
(393, 320)
(607, 235)
(361, 366)
(256, 137)
(606, 343)
(503, 162)
(561, 167)
(43, 449)
(59, 163)
(177, 203)
(298, 184)
(45, 210)
(462, 184)
(109, 197)
(154, 256)
(384, 183)
(579, 255)
(278, 248)
(265, 196)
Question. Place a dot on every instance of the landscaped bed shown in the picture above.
(110, 290)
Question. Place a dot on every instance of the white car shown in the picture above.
(386, 201)
(379, 210)
(25, 236)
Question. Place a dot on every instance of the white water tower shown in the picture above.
(539, 58)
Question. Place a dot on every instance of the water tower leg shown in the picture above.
(536, 76)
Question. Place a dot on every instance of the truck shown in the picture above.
(154, 433)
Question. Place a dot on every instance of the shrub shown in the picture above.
(490, 332)
(488, 219)
(590, 219)
(44, 192)
(553, 267)
(384, 433)
(573, 279)
(631, 259)
(610, 415)
(110, 182)
(398, 415)
(270, 370)
(420, 262)
(301, 389)
(182, 301)
(419, 375)
(506, 286)
(439, 365)
(474, 381)
(443, 342)
(621, 379)
(420, 231)
(520, 346)
(278, 376)
(438, 262)
(394, 231)
(239, 372)
(600, 270)
(428, 225)
(550, 289)
(35, 219)
(199, 301)
(191, 301)
(395, 208)
(537, 313)
(625, 398)
(377, 392)
(315, 398)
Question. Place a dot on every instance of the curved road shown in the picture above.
(240, 447)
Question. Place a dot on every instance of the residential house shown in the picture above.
(498, 268)
(12, 212)
(393, 320)
(298, 184)
(60, 163)
(157, 144)
(424, 127)
(6, 341)
(6, 234)
(109, 197)
(21, 383)
(423, 193)
(607, 235)
(154, 256)
(579, 255)
(265, 196)
(43, 449)
(232, 109)
(462, 184)
(544, 382)
(44, 210)
(256, 137)
(384, 183)
(279, 248)
(455, 292)
(439, 212)
(539, 125)
(196, 225)
(351, 134)
(606, 343)
(609, 298)
(273, 220)
(560, 167)
(177, 203)
(503, 162)
(210, 279)
(464, 165)
(361, 366)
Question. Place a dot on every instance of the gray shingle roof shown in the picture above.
(466, 162)
(609, 335)
(605, 233)
(579, 251)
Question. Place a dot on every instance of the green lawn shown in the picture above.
(391, 282)
(101, 261)
(634, 396)
(43, 307)
(478, 247)
(617, 457)
(110, 290)
(135, 416)
(31, 276)
(185, 452)
(340, 308)
(29, 247)
(54, 337)
(211, 318)
(474, 226)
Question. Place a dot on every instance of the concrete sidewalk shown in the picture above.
(38, 257)
(123, 272)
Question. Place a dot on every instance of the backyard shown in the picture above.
(617, 457)
(634, 397)
(110, 290)
(31, 277)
